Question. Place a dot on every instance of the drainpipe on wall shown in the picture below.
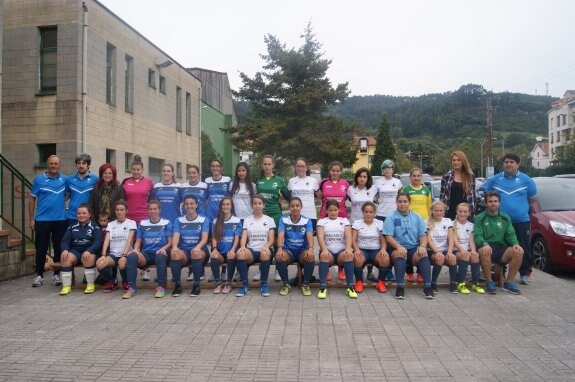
(200, 137)
(84, 73)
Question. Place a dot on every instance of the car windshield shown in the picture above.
(557, 195)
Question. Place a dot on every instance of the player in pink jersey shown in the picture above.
(137, 188)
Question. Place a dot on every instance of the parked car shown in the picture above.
(565, 176)
(553, 224)
(435, 187)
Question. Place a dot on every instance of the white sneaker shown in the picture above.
(257, 276)
(277, 276)
(145, 275)
(190, 277)
(56, 280)
(38, 281)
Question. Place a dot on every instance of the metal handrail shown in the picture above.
(19, 187)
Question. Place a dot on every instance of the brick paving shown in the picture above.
(45, 337)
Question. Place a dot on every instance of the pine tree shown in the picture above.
(384, 148)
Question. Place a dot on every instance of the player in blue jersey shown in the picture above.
(189, 245)
(167, 192)
(153, 241)
(194, 186)
(226, 232)
(81, 243)
(47, 213)
(218, 187)
(79, 186)
(295, 243)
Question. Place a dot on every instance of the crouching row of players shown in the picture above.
(159, 242)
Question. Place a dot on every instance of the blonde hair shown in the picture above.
(430, 221)
(466, 205)
(466, 173)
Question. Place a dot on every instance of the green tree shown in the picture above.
(565, 158)
(384, 148)
(288, 104)
(208, 154)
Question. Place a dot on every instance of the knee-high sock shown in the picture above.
(452, 274)
(66, 275)
(348, 269)
(475, 271)
(462, 270)
(282, 268)
(265, 271)
(243, 269)
(323, 270)
(162, 269)
(132, 269)
(176, 267)
(308, 271)
(215, 266)
(399, 264)
(231, 269)
(424, 268)
(106, 274)
(358, 273)
(436, 272)
(197, 266)
(90, 274)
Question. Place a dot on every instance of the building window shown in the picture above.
(111, 74)
(44, 151)
(370, 159)
(564, 119)
(551, 123)
(178, 108)
(363, 145)
(111, 156)
(48, 59)
(152, 78)
(551, 138)
(558, 136)
(129, 76)
(155, 169)
(179, 170)
(162, 84)
(537, 154)
(128, 158)
(188, 113)
(558, 120)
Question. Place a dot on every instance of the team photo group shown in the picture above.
(395, 231)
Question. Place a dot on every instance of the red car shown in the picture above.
(553, 224)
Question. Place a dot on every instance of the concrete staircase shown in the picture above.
(12, 264)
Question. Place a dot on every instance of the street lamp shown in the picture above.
(482, 142)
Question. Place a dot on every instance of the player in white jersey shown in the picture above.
(369, 246)
(304, 187)
(362, 191)
(466, 250)
(256, 243)
(440, 244)
(118, 239)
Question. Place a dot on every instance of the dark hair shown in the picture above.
(296, 198)
(260, 197)
(401, 193)
(83, 158)
(194, 167)
(513, 157)
(308, 171)
(104, 214)
(220, 219)
(101, 170)
(191, 196)
(121, 202)
(249, 183)
(369, 177)
(264, 157)
(490, 194)
(171, 166)
(331, 202)
(137, 161)
(368, 204)
(85, 205)
(154, 201)
(216, 160)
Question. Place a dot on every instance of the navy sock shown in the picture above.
(176, 266)
(358, 273)
(243, 269)
(106, 274)
(399, 265)
(265, 271)
(424, 268)
(215, 265)
(381, 272)
(197, 266)
(282, 268)
(475, 271)
(462, 271)
(323, 270)
(369, 269)
(132, 269)
(162, 269)
(436, 272)
(452, 274)
(123, 275)
(348, 269)
(308, 271)
(231, 269)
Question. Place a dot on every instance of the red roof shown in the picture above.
(371, 141)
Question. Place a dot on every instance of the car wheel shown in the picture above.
(540, 253)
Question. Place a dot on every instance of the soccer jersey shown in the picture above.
(305, 188)
(80, 190)
(368, 235)
(136, 193)
(420, 200)
(258, 230)
(119, 233)
(232, 228)
(358, 197)
(217, 190)
(154, 235)
(295, 233)
(199, 190)
(270, 189)
(405, 229)
(463, 233)
(515, 193)
(440, 232)
(336, 191)
(191, 231)
(169, 197)
(82, 237)
(334, 233)
(50, 194)
(243, 201)
(387, 190)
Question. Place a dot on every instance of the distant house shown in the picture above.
(365, 151)
(561, 119)
(540, 154)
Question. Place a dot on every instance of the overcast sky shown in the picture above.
(379, 47)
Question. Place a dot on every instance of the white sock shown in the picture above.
(66, 278)
(90, 274)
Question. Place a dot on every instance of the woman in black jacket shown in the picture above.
(106, 193)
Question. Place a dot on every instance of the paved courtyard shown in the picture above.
(101, 337)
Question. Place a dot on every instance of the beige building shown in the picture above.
(77, 78)
(561, 119)
(365, 152)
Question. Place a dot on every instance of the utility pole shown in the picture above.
(490, 112)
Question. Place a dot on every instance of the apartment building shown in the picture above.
(561, 119)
